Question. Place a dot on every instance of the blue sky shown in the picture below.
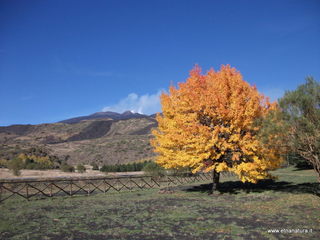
(61, 59)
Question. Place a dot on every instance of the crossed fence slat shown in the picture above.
(73, 192)
(11, 192)
(30, 188)
(140, 187)
(38, 191)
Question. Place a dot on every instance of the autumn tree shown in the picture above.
(208, 123)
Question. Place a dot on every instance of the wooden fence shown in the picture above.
(40, 188)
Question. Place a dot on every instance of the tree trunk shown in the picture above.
(215, 181)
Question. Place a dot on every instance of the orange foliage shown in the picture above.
(208, 124)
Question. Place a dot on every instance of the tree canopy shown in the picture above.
(208, 123)
(300, 111)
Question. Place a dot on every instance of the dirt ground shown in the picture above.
(6, 173)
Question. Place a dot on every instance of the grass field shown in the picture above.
(238, 211)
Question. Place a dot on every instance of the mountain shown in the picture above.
(103, 137)
(105, 115)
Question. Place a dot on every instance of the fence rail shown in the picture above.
(50, 187)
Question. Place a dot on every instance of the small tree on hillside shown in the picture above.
(15, 165)
(81, 168)
(66, 167)
(209, 123)
(95, 166)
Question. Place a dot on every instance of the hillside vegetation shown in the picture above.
(103, 141)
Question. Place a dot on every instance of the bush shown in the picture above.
(112, 168)
(140, 165)
(129, 167)
(153, 169)
(3, 163)
(104, 168)
(81, 168)
(39, 163)
(15, 165)
(182, 171)
(95, 166)
(66, 168)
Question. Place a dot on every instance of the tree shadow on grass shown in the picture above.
(236, 187)
(302, 168)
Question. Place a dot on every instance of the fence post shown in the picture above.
(27, 189)
(70, 187)
(50, 189)
(1, 192)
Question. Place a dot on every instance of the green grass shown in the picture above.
(238, 211)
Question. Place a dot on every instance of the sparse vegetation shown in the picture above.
(3, 163)
(28, 161)
(66, 168)
(81, 168)
(120, 142)
(15, 165)
(153, 169)
(129, 167)
(95, 166)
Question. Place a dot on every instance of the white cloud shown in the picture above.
(144, 104)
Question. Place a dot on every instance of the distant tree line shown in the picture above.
(148, 167)
(127, 167)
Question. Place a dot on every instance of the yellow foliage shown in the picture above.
(44, 161)
(3, 163)
(207, 123)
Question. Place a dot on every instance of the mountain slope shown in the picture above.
(105, 115)
(100, 140)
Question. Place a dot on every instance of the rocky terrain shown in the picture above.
(104, 138)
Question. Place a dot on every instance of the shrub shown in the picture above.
(110, 168)
(32, 161)
(140, 165)
(30, 164)
(81, 168)
(153, 169)
(104, 168)
(129, 167)
(40, 163)
(66, 167)
(15, 165)
(3, 163)
(182, 171)
(121, 168)
(95, 166)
